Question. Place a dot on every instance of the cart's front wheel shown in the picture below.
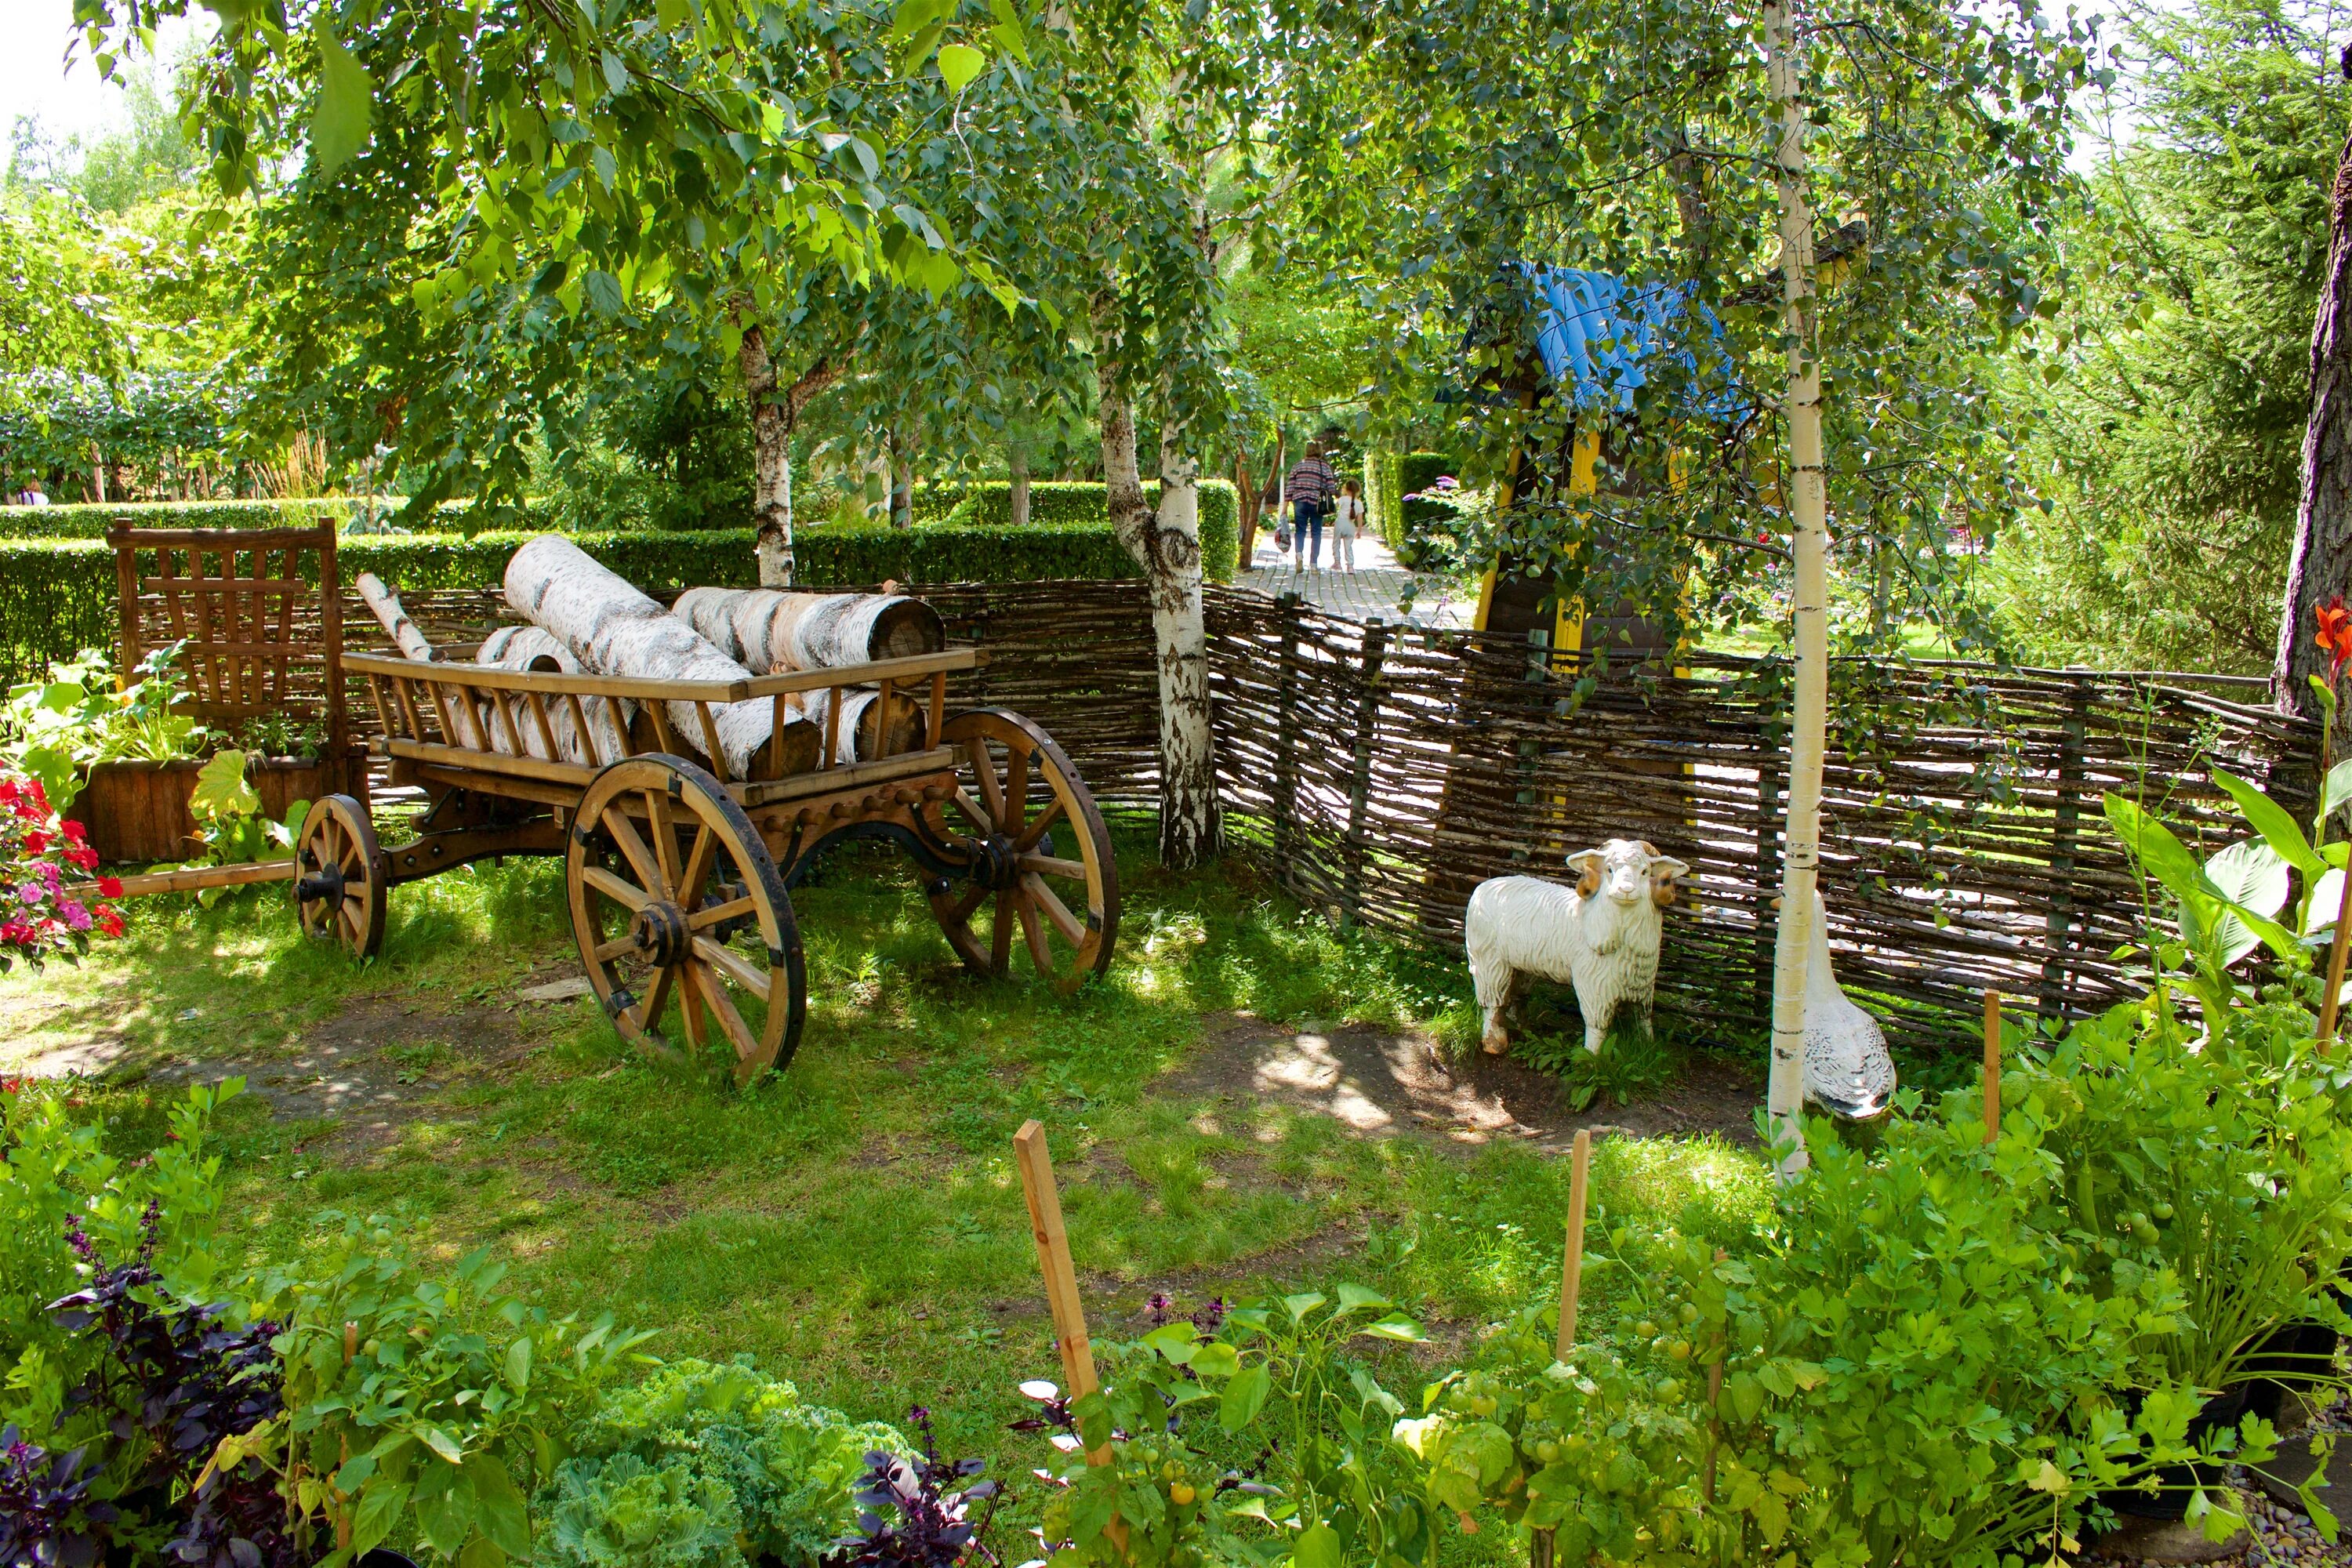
(340, 875)
(1040, 857)
(674, 898)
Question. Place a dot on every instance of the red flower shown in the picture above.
(2334, 636)
(109, 887)
(73, 830)
(82, 856)
(36, 843)
(110, 922)
(41, 797)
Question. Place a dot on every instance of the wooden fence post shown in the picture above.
(2058, 927)
(1285, 738)
(1036, 1163)
(1991, 1068)
(1360, 781)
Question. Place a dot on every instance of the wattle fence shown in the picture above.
(1381, 771)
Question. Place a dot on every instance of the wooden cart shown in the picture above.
(679, 879)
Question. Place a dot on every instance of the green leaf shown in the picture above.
(2251, 879)
(604, 292)
(340, 115)
(501, 1513)
(1319, 1547)
(1216, 1359)
(959, 64)
(221, 791)
(2267, 817)
(1306, 1301)
(1244, 1396)
(518, 1367)
(1358, 1298)
(441, 1443)
(2338, 789)
(381, 1506)
(2160, 853)
(1398, 1327)
(2326, 903)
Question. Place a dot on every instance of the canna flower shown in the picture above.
(2334, 636)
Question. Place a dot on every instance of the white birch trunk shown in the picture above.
(770, 632)
(1016, 495)
(1167, 546)
(771, 462)
(535, 648)
(381, 598)
(614, 629)
(1800, 862)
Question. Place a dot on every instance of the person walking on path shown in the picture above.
(1309, 488)
(1347, 521)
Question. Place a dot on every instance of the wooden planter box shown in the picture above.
(139, 811)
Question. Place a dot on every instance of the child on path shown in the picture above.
(1347, 516)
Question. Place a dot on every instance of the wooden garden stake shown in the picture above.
(1992, 1067)
(1572, 1283)
(1713, 1403)
(1036, 1164)
(1571, 1272)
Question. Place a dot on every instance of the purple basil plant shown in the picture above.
(921, 1513)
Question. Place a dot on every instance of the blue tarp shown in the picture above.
(1596, 335)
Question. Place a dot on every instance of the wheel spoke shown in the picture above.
(704, 919)
(1016, 790)
(690, 1001)
(665, 840)
(628, 897)
(698, 861)
(1051, 866)
(730, 1022)
(734, 966)
(1031, 927)
(960, 910)
(973, 811)
(991, 794)
(632, 848)
(1028, 836)
(1055, 911)
(1000, 947)
(649, 1008)
(608, 951)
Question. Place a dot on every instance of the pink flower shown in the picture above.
(32, 893)
(76, 917)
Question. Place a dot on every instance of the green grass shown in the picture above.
(856, 1222)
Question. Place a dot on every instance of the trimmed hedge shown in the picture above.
(56, 595)
(989, 502)
(88, 520)
(1419, 470)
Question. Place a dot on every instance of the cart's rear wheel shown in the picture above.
(340, 875)
(1040, 866)
(675, 900)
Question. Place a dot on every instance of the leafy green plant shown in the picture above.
(229, 822)
(1326, 1481)
(1631, 1064)
(414, 1401)
(283, 734)
(58, 730)
(708, 1464)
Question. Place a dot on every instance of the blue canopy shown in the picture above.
(1596, 335)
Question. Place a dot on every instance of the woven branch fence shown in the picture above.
(1381, 771)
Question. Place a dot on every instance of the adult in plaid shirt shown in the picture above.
(1309, 487)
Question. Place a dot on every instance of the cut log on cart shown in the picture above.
(384, 601)
(601, 738)
(770, 632)
(614, 629)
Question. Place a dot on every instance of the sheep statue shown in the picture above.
(1600, 935)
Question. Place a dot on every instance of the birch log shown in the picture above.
(614, 629)
(1800, 865)
(770, 632)
(382, 599)
(535, 648)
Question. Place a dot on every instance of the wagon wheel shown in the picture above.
(1040, 859)
(674, 898)
(340, 875)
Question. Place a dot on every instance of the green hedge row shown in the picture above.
(989, 502)
(56, 595)
(1418, 470)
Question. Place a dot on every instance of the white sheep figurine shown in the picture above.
(1601, 935)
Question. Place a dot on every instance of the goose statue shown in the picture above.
(1848, 1072)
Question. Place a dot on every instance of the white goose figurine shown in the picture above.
(1848, 1072)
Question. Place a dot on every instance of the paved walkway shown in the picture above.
(1374, 588)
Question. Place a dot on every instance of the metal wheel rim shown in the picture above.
(658, 848)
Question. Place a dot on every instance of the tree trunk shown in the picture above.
(1016, 461)
(771, 462)
(2321, 566)
(1251, 503)
(1799, 865)
(1167, 547)
(902, 482)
